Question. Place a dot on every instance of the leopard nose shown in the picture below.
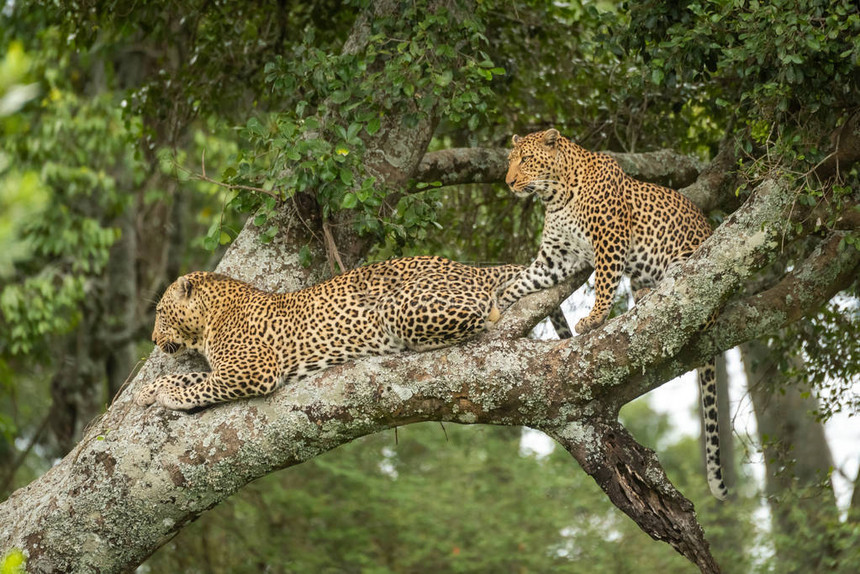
(511, 182)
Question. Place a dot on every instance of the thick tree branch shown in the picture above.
(827, 271)
(715, 186)
(488, 165)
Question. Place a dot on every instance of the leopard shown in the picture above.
(596, 215)
(257, 341)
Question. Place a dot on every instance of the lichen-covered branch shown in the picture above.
(831, 268)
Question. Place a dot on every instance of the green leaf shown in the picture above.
(445, 78)
(350, 200)
(346, 176)
(269, 234)
(305, 256)
(352, 130)
(373, 126)
(255, 127)
(340, 96)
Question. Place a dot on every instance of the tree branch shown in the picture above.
(488, 165)
(631, 476)
(827, 271)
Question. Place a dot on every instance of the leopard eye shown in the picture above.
(524, 160)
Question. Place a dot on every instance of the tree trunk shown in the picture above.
(797, 460)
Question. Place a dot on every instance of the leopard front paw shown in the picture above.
(149, 393)
(160, 391)
(640, 294)
(588, 323)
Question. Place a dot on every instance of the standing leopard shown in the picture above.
(256, 341)
(597, 215)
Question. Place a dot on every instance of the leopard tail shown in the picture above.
(708, 382)
(559, 323)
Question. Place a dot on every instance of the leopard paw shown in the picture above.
(640, 294)
(158, 390)
(587, 324)
(148, 394)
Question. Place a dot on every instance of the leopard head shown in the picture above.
(180, 317)
(532, 163)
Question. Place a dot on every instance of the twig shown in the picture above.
(19, 460)
(230, 186)
(444, 431)
(331, 249)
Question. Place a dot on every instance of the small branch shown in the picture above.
(234, 186)
(231, 186)
(19, 460)
(331, 249)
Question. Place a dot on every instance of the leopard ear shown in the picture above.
(185, 286)
(550, 136)
(515, 139)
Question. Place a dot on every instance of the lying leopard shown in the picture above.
(256, 341)
(597, 215)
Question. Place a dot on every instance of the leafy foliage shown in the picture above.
(411, 65)
(832, 361)
(71, 228)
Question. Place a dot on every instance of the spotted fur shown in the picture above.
(256, 341)
(597, 215)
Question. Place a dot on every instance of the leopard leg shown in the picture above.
(606, 280)
(549, 268)
(610, 259)
(560, 324)
(507, 276)
(708, 383)
(151, 391)
(640, 291)
(257, 375)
